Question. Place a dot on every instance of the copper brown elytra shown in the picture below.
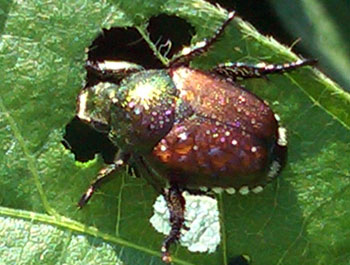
(188, 129)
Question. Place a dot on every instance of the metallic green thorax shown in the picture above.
(139, 111)
(144, 109)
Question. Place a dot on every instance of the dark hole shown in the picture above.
(164, 29)
(123, 44)
(85, 142)
(239, 260)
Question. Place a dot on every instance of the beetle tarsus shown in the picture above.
(176, 205)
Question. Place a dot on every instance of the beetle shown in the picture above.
(186, 129)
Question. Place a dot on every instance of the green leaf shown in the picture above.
(303, 218)
(25, 242)
(322, 27)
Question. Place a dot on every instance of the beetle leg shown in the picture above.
(234, 71)
(111, 71)
(144, 171)
(176, 205)
(187, 54)
(103, 176)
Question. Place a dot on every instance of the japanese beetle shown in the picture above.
(184, 129)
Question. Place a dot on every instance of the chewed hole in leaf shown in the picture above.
(84, 142)
(122, 44)
(240, 260)
(168, 40)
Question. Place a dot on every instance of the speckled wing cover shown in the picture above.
(224, 136)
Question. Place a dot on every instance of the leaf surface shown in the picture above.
(302, 218)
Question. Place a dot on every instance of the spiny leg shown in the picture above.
(103, 176)
(176, 205)
(112, 71)
(188, 53)
(234, 71)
